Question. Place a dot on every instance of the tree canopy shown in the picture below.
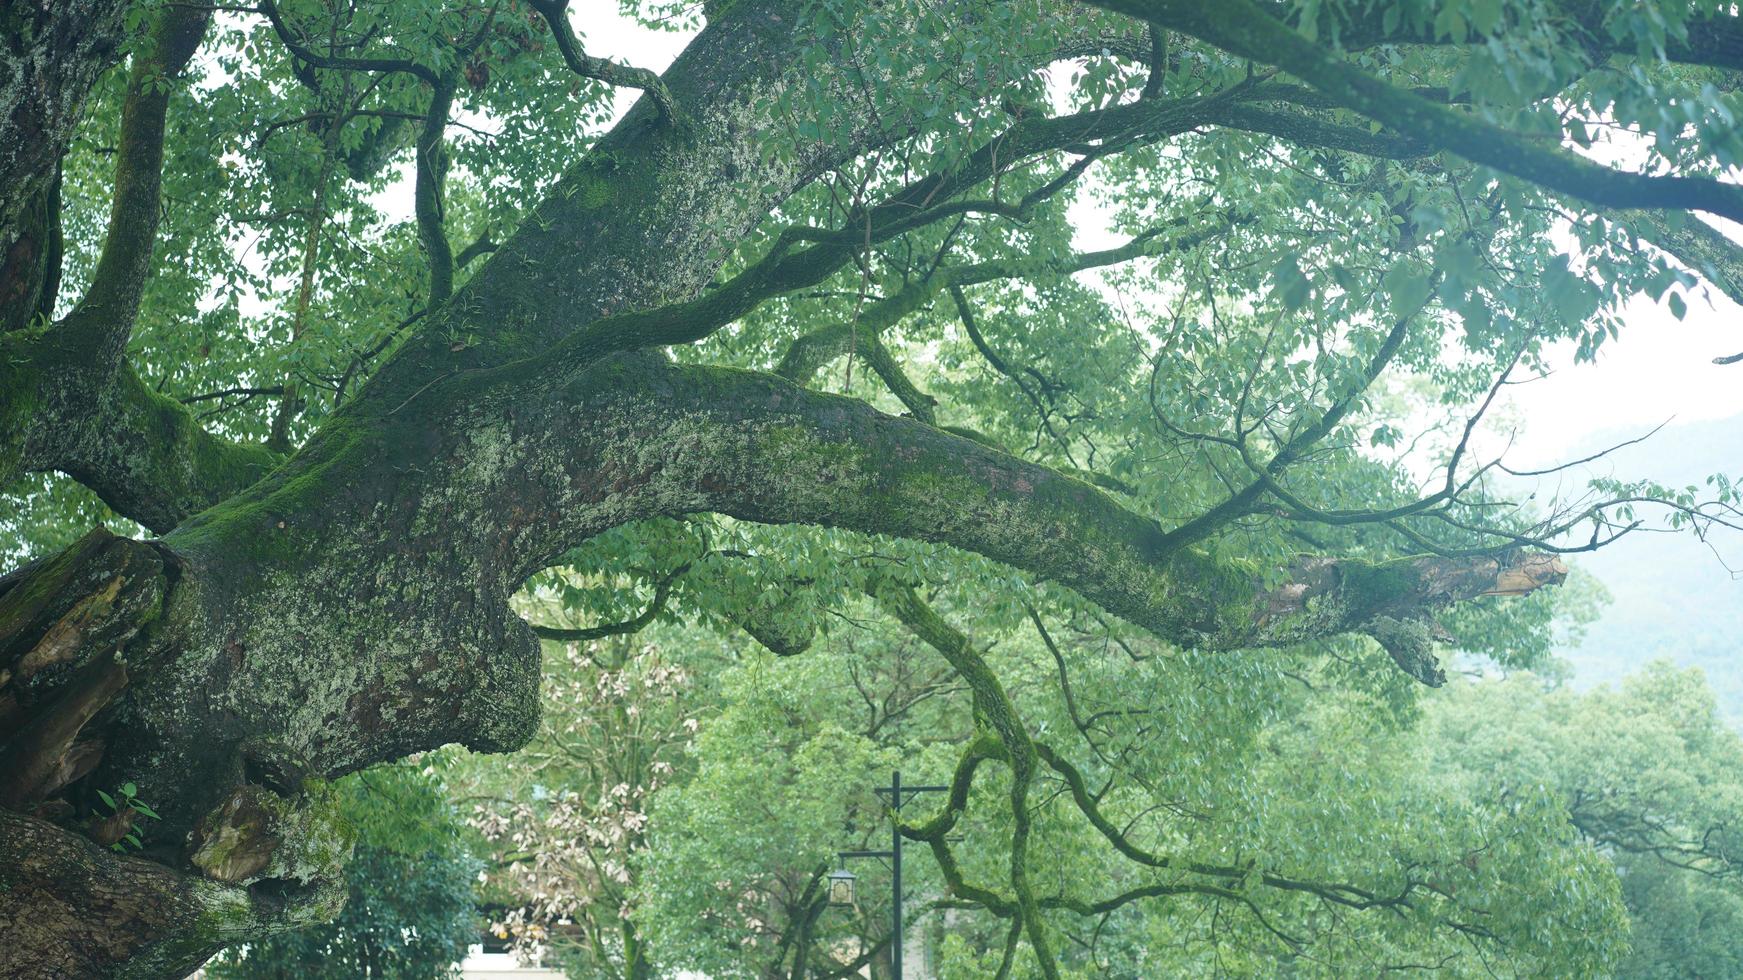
(1125, 364)
(1598, 824)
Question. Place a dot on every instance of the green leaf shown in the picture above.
(1407, 285)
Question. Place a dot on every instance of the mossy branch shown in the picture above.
(1244, 28)
(427, 192)
(995, 711)
(149, 460)
(759, 448)
(556, 14)
(100, 324)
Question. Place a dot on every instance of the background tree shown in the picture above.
(1645, 773)
(667, 373)
(409, 906)
(1484, 794)
(568, 826)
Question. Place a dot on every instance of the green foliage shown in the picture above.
(1254, 765)
(1646, 774)
(409, 911)
(125, 800)
(1303, 327)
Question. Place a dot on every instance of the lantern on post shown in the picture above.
(841, 888)
(841, 882)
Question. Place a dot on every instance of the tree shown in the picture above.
(409, 910)
(568, 824)
(1326, 780)
(1645, 773)
(349, 470)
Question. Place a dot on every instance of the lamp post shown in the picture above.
(841, 882)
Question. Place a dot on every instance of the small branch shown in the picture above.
(884, 365)
(229, 392)
(662, 592)
(303, 53)
(556, 13)
(482, 245)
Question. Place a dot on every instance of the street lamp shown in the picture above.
(841, 883)
(841, 888)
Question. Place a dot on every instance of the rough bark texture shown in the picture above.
(75, 909)
(52, 53)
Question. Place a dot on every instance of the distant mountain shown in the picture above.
(1671, 595)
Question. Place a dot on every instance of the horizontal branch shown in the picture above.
(638, 437)
(304, 53)
(1243, 28)
(1306, 130)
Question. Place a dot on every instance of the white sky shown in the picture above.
(1659, 368)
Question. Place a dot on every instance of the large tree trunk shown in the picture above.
(77, 633)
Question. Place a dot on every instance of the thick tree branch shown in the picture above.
(672, 198)
(148, 459)
(102, 914)
(1306, 130)
(1243, 28)
(142, 452)
(103, 319)
(758, 448)
(30, 266)
(55, 52)
(785, 268)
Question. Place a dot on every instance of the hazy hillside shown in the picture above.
(1671, 596)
